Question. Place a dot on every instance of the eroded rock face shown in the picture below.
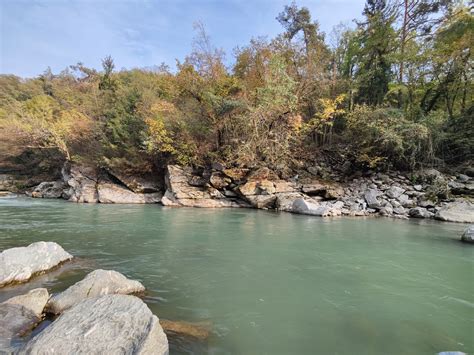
(138, 184)
(110, 324)
(82, 182)
(180, 192)
(20, 314)
(53, 189)
(96, 283)
(468, 235)
(461, 211)
(19, 264)
(113, 193)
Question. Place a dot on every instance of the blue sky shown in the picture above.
(36, 34)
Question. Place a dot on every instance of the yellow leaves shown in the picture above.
(163, 108)
(331, 108)
(158, 137)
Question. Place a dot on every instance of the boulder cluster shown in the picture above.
(96, 315)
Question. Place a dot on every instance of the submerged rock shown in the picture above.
(197, 330)
(110, 324)
(468, 235)
(97, 283)
(461, 211)
(20, 264)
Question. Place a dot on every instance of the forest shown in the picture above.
(393, 90)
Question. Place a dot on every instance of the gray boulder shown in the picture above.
(35, 300)
(420, 212)
(97, 283)
(113, 193)
(20, 264)
(461, 211)
(284, 201)
(394, 191)
(110, 324)
(53, 189)
(370, 196)
(468, 235)
(302, 206)
(20, 314)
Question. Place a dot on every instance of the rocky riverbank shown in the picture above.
(99, 314)
(313, 191)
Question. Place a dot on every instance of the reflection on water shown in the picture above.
(269, 283)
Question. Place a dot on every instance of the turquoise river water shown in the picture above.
(269, 283)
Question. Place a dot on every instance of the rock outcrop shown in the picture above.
(20, 264)
(187, 189)
(112, 193)
(461, 211)
(110, 324)
(53, 189)
(89, 185)
(97, 283)
(468, 235)
(82, 184)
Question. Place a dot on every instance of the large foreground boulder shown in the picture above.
(461, 211)
(110, 324)
(96, 283)
(468, 235)
(20, 314)
(20, 264)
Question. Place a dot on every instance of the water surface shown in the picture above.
(270, 283)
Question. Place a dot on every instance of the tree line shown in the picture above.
(393, 91)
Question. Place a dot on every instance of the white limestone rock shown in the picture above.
(20, 264)
(97, 283)
(110, 324)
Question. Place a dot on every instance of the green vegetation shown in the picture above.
(395, 92)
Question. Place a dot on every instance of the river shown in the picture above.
(269, 283)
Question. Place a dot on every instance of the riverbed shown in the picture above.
(269, 283)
